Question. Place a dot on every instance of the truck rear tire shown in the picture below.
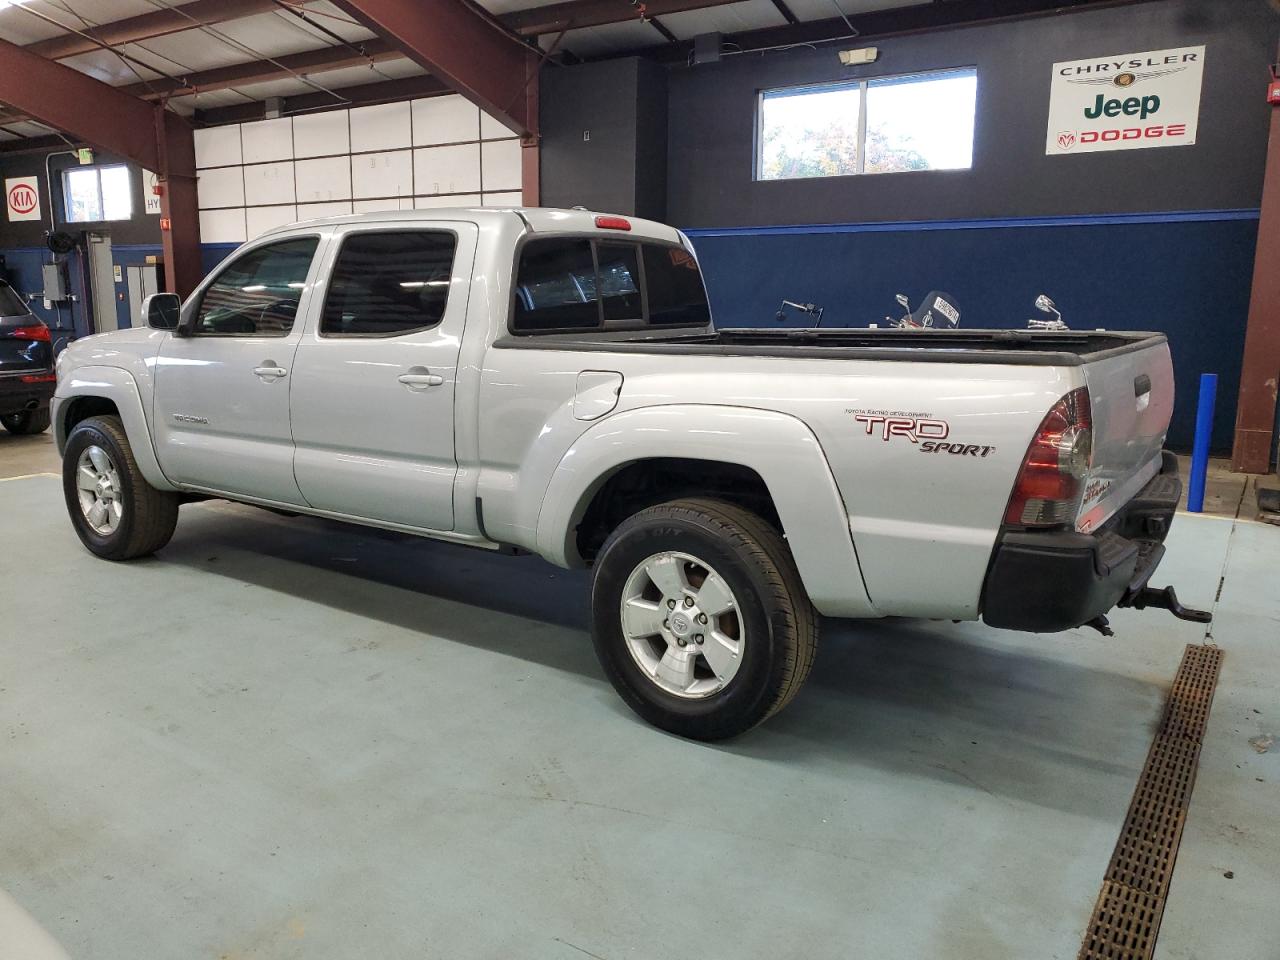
(700, 619)
(116, 513)
(27, 422)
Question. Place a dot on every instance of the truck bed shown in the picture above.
(1019, 347)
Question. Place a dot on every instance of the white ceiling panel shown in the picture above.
(22, 27)
(286, 87)
(95, 11)
(824, 9)
(498, 7)
(593, 41)
(267, 35)
(29, 128)
(5, 135)
(730, 18)
(353, 76)
(106, 66)
(207, 101)
(325, 13)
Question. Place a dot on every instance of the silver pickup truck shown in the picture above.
(551, 381)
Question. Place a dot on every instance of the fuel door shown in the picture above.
(596, 394)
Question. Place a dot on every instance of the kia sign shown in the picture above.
(22, 197)
(1125, 102)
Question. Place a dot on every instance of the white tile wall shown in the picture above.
(500, 161)
(325, 178)
(321, 134)
(382, 174)
(220, 187)
(491, 129)
(450, 200)
(454, 169)
(382, 127)
(218, 146)
(310, 211)
(425, 154)
(259, 220)
(222, 226)
(266, 183)
(266, 140)
(378, 206)
(451, 119)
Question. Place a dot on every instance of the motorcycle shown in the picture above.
(938, 311)
(1045, 305)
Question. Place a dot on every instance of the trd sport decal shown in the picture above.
(927, 433)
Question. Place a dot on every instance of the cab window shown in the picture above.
(386, 284)
(257, 294)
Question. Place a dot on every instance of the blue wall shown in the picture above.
(1186, 275)
(71, 319)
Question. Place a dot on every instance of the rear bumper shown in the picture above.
(16, 396)
(1048, 581)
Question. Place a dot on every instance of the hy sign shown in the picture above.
(1126, 102)
(22, 198)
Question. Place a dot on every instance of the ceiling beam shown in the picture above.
(262, 71)
(143, 133)
(465, 47)
(572, 14)
(361, 95)
(147, 26)
(895, 21)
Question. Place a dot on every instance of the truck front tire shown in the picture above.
(700, 619)
(115, 512)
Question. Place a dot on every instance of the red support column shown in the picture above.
(530, 152)
(1256, 407)
(142, 133)
(463, 45)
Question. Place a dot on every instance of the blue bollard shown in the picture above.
(1200, 449)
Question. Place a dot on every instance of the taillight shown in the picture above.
(37, 332)
(1051, 481)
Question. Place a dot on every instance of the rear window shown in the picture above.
(575, 283)
(11, 304)
(676, 295)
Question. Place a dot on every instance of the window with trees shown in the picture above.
(923, 121)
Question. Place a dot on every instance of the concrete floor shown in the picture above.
(285, 738)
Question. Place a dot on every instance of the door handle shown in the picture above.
(421, 379)
(269, 371)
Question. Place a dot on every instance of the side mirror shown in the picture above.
(902, 299)
(162, 311)
(1045, 305)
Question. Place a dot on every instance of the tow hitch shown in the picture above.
(1166, 599)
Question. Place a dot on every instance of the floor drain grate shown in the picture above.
(1127, 915)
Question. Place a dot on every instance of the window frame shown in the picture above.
(333, 264)
(97, 168)
(862, 84)
(190, 322)
(602, 325)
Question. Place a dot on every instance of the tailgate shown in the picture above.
(1131, 398)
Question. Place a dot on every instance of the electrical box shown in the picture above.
(54, 276)
(707, 48)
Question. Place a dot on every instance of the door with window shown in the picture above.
(372, 400)
(222, 390)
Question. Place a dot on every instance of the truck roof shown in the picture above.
(542, 220)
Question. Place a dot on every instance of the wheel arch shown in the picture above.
(106, 391)
(779, 466)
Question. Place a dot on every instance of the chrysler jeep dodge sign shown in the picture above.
(1126, 102)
